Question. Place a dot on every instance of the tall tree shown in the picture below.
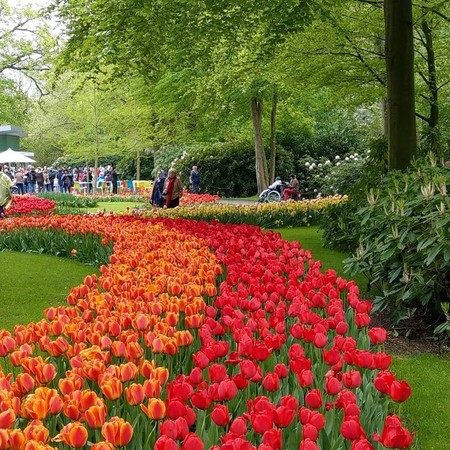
(402, 139)
(172, 36)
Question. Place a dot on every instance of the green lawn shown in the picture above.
(31, 282)
(113, 206)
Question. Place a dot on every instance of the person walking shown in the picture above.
(114, 177)
(173, 189)
(194, 179)
(158, 188)
(19, 182)
(5, 191)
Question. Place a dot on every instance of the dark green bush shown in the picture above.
(227, 168)
(340, 226)
(404, 241)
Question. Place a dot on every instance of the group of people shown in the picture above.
(168, 189)
(30, 180)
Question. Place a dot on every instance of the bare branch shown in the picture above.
(420, 116)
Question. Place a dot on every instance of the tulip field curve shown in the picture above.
(195, 335)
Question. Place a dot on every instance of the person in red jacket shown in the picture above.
(173, 189)
(293, 188)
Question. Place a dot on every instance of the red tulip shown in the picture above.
(192, 442)
(314, 398)
(351, 428)
(165, 443)
(352, 379)
(332, 385)
(308, 444)
(399, 391)
(362, 444)
(394, 435)
(239, 426)
(175, 409)
(273, 439)
(271, 382)
(377, 335)
(309, 431)
(220, 415)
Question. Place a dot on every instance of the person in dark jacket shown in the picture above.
(158, 188)
(194, 179)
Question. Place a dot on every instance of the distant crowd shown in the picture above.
(48, 179)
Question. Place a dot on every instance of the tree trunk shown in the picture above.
(433, 135)
(273, 138)
(402, 143)
(138, 164)
(262, 174)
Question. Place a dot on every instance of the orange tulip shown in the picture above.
(135, 393)
(128, 371)
(34, 408)
(104, 445)
(157, 345)
(147, 367)
(134, 351)
(35, 445)
(4, 439)
(161, 374)
(95, 416)
(73, 382)
(117, 431)
(7, 418)
(152, 388)
(118, 348)
(171, 346)
(73, 434)
(25, 383)
(36, 431)
(45, 373)
(16, 439)
(156, 409)
(111, 388)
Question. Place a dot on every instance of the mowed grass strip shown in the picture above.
(31, 282)
(114, 207)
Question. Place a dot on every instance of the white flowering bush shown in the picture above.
(332, 176)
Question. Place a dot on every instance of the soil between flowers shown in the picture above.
(410, 337)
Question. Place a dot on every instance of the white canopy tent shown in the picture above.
(11, 156)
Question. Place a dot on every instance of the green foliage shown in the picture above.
(404, 240)
(127, 170)
(68, 203)
(353, 178)
(89, 247)
(340, 229)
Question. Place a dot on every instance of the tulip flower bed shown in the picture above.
(29, 204)
(266, 215)
(197, 335)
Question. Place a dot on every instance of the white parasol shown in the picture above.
(11, 156)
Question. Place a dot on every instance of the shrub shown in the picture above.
(354, 177)
(404, 244)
